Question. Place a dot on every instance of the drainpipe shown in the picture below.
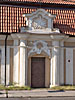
(5, 56)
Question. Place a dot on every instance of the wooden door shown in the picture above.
(38, 72)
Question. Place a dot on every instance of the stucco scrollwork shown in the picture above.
(39, 47)
(40, 21)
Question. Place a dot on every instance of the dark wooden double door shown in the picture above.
(37, 72)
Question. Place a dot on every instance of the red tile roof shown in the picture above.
(11, 19)
(70, 2)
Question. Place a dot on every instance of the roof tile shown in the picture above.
(11, 19)
(71, 2)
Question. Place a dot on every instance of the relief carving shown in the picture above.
(39, 22)
(39, 47)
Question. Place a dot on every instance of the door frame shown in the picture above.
(47, 70)
(40, 66)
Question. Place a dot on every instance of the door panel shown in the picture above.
(38, 72)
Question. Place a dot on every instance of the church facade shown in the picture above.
(40, 55)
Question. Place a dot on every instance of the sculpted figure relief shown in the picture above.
(39, 22)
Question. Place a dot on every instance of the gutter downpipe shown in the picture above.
(5, 56)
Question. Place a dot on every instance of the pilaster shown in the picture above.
(61, 63)
(3, 65)
(8, 66)
(55, 64)
(23, 63)
(16, 62)
(69, 66)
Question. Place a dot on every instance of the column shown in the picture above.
(55, 64)
(61, 63)
(8, 66)
(16, 62)
(3, 65)
(23, 56)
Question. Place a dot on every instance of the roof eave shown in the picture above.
(35, 4)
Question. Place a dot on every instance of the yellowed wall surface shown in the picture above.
(69, 44)
(9, 42)
(11, 65)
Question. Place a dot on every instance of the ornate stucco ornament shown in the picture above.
(39, 47)
(39, 21)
